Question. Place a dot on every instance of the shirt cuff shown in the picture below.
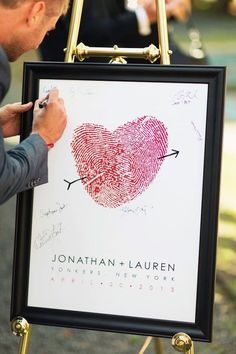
(144, 26)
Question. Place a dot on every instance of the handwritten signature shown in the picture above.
(52, 211)
(47, 235)
(184, 97)
(47, 89)
(137, 210)
(199, 136)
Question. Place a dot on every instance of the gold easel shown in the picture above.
(118, 55)
(181, 342)
(21, 328)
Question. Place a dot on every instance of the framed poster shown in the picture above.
(123, 237)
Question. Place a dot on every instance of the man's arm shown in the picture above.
(23, 167)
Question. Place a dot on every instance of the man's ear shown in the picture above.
(36, 12)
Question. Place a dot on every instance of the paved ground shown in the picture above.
(49, 340)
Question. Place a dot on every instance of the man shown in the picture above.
(23, 26)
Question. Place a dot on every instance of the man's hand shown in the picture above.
(50, 121)
(150, 8)
(180, 9)
(10, 117)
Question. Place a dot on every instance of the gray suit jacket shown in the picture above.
(24, 166)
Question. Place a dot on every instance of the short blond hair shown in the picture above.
(15, 3)
(63, 3)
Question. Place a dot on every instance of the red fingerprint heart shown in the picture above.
(118, 166)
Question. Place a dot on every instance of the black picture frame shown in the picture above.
(201, 328)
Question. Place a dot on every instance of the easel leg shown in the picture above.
(20, 327)
(159, 348)
(74, 30)
(181, 342)
(145, 345)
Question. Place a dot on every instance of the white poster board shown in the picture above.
(117, 230)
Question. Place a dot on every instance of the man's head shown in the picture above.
(24, 23)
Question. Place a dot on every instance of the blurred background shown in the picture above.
(216, 22)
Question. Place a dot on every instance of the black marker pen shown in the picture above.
(43, 104)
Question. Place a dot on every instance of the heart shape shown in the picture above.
(117, 166)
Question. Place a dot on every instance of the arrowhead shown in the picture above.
(176, 152)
